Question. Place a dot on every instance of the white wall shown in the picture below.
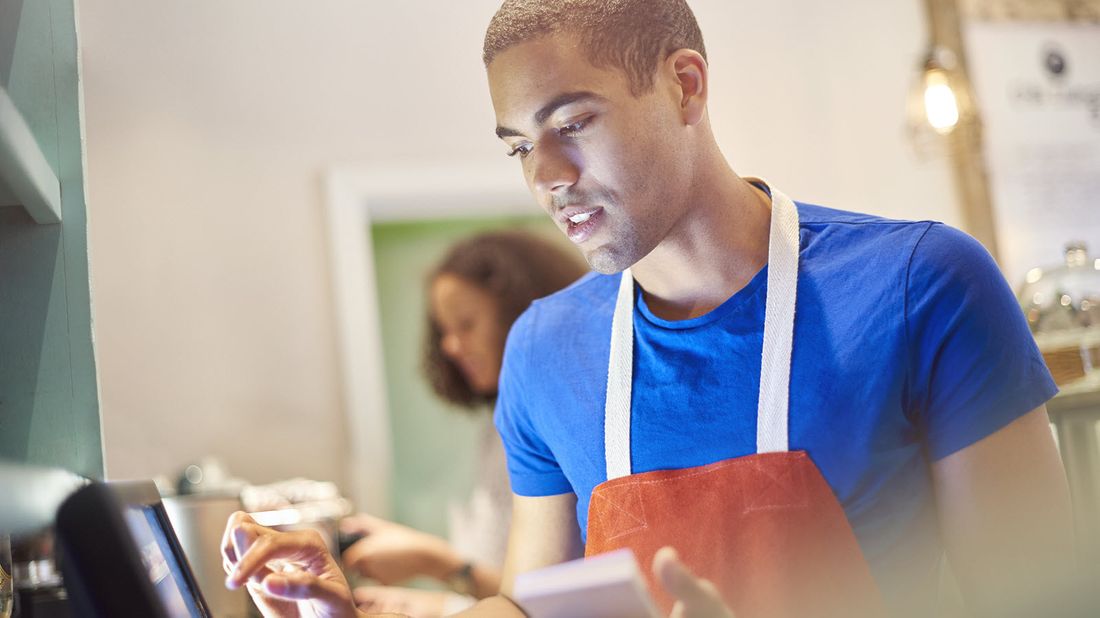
(812, 95)
(209, 124)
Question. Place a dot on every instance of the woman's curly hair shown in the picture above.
(514, 268)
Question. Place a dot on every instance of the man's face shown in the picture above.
(607, 166)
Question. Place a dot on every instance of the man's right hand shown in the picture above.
(288, 574)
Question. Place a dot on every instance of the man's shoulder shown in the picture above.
(571, 325)
(589, 296)
(816, 215)
(846, 237)
(922, 256)
(581, 303)
(918, 245)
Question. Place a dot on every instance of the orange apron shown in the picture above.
(765, 528)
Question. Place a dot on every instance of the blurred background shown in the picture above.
(266, 182)
(211, 127)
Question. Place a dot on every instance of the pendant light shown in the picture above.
(939, 102)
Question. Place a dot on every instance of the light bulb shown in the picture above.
(940, 104)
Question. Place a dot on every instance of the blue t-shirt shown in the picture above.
(909, 345)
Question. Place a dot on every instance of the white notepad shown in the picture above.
(606, 586)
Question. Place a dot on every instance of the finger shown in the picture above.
(229, 566)
(228, 551)
(253, 558)
(699, 596)
(244, 536)
(256, 577)
(301, 585)
(290, 546)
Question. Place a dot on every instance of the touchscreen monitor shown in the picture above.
(120, 556)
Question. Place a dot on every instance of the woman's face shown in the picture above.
(470, 333)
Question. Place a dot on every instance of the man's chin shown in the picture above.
(606, 260)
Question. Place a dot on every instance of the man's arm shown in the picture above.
(544, 532)
(1005, 513)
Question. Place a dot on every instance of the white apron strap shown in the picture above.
(620, 373)
(775, 366)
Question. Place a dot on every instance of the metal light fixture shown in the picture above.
(941, 105)
(944, 122)
(939, 101)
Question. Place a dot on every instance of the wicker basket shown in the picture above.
(1071, 354)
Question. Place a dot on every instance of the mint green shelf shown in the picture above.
(26, 178)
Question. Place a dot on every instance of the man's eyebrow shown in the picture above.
(547, 110)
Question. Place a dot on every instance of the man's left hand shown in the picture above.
(696, 597)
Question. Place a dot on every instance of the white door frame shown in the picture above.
(357, 196)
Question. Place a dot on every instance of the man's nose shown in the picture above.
(552, 169)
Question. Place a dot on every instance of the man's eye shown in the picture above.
(572, 129)
(522, 150)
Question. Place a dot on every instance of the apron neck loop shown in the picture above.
(775, 366)
(620, 373)
(775, 363)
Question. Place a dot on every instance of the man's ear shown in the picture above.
(690, 71)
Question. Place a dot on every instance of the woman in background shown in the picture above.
(475, 294)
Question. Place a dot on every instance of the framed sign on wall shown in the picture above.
(1035, 70)
(1037, 84)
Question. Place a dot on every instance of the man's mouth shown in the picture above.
(581, 223)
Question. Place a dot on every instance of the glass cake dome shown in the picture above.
(1062, 305)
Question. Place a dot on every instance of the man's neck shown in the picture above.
(713, 251)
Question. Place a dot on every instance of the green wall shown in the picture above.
(433, 442)
(49, 412)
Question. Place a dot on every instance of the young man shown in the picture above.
(810, 406)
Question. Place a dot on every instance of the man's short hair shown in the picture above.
(631, 35)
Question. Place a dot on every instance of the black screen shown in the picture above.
(161, 563)
(121, 556)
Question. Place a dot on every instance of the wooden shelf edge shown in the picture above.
(23, 168)
(1082, 395)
